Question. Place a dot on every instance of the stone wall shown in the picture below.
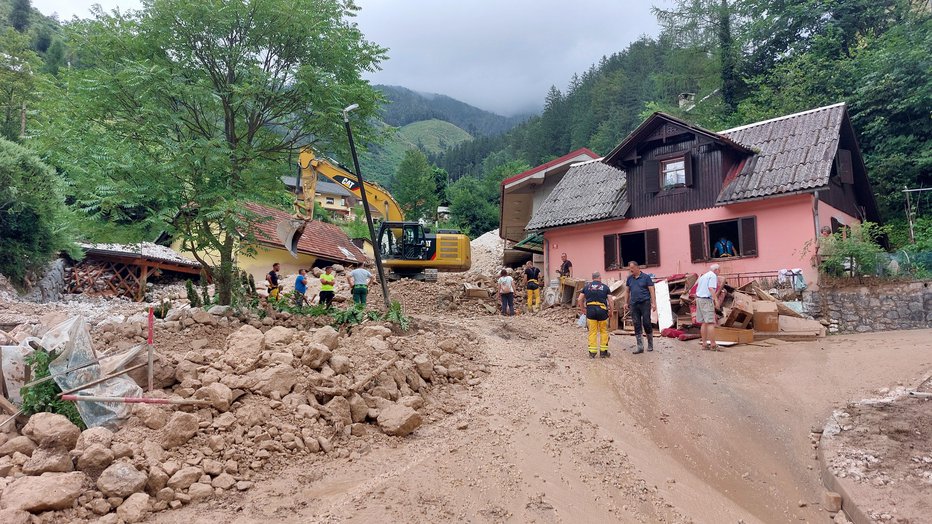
(875, 307)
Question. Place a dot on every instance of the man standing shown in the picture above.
(532, 283)
(705, 306)
(640, 298)
(272, 279)
(358, 281)
(566, 269)
(300, 288)
(326, 286)
(594, 302)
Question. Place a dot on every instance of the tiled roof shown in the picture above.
(583, 151)
(589, 191)
(795, 153)
(320, 239)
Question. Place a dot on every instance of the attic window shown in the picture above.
(673, 172)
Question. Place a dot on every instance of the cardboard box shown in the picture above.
(766, 317)
(738, 336)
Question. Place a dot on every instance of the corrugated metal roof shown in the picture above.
(320, 239)
(588, 192)
(795, 153)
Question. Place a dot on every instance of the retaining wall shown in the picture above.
(875, 307)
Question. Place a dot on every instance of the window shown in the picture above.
(723, 239)
(330, 200)
(343, 202)
(673, 173)
(642, 247)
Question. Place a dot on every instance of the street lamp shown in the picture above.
(365, 206)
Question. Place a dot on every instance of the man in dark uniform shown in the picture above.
(272, 279)
(532, 283)
(594, 301)
(566, 269)
(639, 297)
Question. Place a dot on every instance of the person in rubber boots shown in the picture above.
(594, 301)
(532, 283)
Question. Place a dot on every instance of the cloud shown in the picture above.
(500, 56)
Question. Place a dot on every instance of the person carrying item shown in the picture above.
(532, 283)
(300, 288)
(272, 278)
(640, 299)
(566, 269)
(358, 281)
(594, 302)
(326, 286)
(506, 291)
(724, 248)
(706, 287)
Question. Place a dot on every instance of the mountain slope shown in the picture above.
(433, 136)
(380, 161)
(406, 106)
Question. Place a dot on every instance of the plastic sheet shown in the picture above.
(13, 363)
(72, 340)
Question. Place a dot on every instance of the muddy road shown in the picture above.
(677, 435)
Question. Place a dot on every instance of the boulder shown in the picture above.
(327, 336)
(340, 364)
(134, 508)
(44, 460)
(50, 491)
(425, 368)
(278, 335)
(203, 317)
(358, 408)
(185, 477)
(158, 479)
(279, 379)
(14, 516)
(121, 479)
(152, 416)
(339, 409)
(253, 415)
(186, 369)
(219, 395)
(20, 444)
(378, 344)
(95, 459)
(246, 343)
(315, 355)
(223, 481)
(102, 436)
(220, 311)
(199, 491)
(163, 372)
(52, 431)
(375, 330)
(179, 429)
(398, 420)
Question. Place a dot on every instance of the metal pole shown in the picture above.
(149, 344)
(909, 216)
(365, 206)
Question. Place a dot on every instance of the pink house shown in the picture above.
(672, 196)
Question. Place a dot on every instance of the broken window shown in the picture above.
(723, 239)
(673, 173)
(330, 200)
(642, 247)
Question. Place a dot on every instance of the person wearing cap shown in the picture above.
(640, 299)
(706, 287)
(326, 286)
(532, 284)
(594, 302)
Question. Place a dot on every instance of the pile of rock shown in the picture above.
(272, 396)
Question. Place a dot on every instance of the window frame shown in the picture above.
(747, 243)
(652, 256)
(663, 173)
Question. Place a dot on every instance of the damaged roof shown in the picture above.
(321, 240)
(794, 153)
(588, 192)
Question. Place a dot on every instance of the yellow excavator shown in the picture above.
(407, 248)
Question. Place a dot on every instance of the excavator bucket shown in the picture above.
(289, 232)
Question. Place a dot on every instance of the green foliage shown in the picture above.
(405, 107)
(32, 212)
(396, 314)
(19, 15)
(193, 297)
(287, 302)
(415, 187)
(161, 310)
(357, 227)
(853, 252)
(474, 202)
(44, 397)
(19, 66)
(182, 112)
(433, 137)
(352, 315)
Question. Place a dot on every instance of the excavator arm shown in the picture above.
(310, 165)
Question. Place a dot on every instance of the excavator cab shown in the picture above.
(402, 241)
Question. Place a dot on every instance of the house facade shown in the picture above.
(673, 196)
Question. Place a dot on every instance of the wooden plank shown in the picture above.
(664, 310)
(784, 310)
(740, 336)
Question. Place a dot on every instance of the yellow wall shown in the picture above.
(259, 265)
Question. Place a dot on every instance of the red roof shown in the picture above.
(548, 165)
(319, 239)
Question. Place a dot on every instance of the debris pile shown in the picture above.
(487, 253)
(270, 396)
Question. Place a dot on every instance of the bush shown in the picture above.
(44, 397)
(32, 213)
(853, 251)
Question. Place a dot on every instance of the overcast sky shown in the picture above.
(502, 56)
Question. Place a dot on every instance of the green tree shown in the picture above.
(54, 57)
(183, 111)
(32, 212)
(442, 182)
(470, 208)
(18, 81)
(415, 187)
(20, 12)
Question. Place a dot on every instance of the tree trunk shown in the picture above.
(226, 273)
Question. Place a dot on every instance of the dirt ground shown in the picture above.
(676, 435)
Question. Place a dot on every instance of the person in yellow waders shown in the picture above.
(594, 302)
(532, 284)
